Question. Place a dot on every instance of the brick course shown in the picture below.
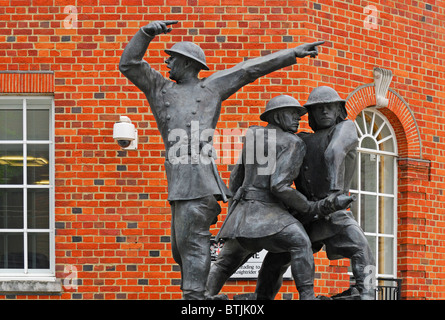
(112, 216)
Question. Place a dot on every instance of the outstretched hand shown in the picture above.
(157, 27)
(308, 49)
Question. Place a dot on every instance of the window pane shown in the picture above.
(11, 251)
(11, 119)
(379, 123)
(11, 164)
(368, 172)
(37, 119)
(386, 174)
(38, 250)
(369, 143)
(38, 164)
(11, 208)
(368, 213)
(372, 244)
(386, 255)
(38, 208)
(387, 144)
(360, 124)
(386, 215)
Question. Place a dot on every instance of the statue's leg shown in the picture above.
(191, 243)
(351, 243)
(231, 257)
(175, 250)
(294, 240)
(270, 277)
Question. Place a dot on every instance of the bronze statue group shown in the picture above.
(265, 210)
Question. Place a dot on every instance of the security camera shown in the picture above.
(125, 134)
(124, 143)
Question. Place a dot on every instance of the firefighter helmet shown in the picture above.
(280, 102)
(189, 50)
(322, 95)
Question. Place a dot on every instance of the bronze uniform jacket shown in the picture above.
(329, 165)
(262, 209)
(191, 107)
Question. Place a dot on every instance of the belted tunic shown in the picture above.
(262, 202)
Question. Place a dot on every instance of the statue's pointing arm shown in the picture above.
(132, 65)
(231, 80)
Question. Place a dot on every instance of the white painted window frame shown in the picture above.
(26, 273)
(375, 113)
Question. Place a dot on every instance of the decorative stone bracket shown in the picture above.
(382, 80)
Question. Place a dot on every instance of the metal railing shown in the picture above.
(386, 288)
(385, 291)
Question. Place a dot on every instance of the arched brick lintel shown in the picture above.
(398, 113)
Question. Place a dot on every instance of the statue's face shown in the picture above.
(290, 120)
(325, 115)
(177, 65)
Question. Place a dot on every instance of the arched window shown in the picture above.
(375, 184)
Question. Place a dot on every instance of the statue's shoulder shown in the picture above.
(293, 137)
(346, 128)
(291, 142)
(304, 135)
(346, 124)
(251, 133)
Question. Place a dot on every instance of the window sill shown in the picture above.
(31, 286)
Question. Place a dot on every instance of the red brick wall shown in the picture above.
(112, 216)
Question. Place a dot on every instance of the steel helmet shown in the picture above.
(280, 102)
(322, 95)
(189, 50)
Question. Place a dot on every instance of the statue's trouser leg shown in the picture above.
(295, 241)
(270, 277)
(351, 243)
(191, 220)
(231, 257)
